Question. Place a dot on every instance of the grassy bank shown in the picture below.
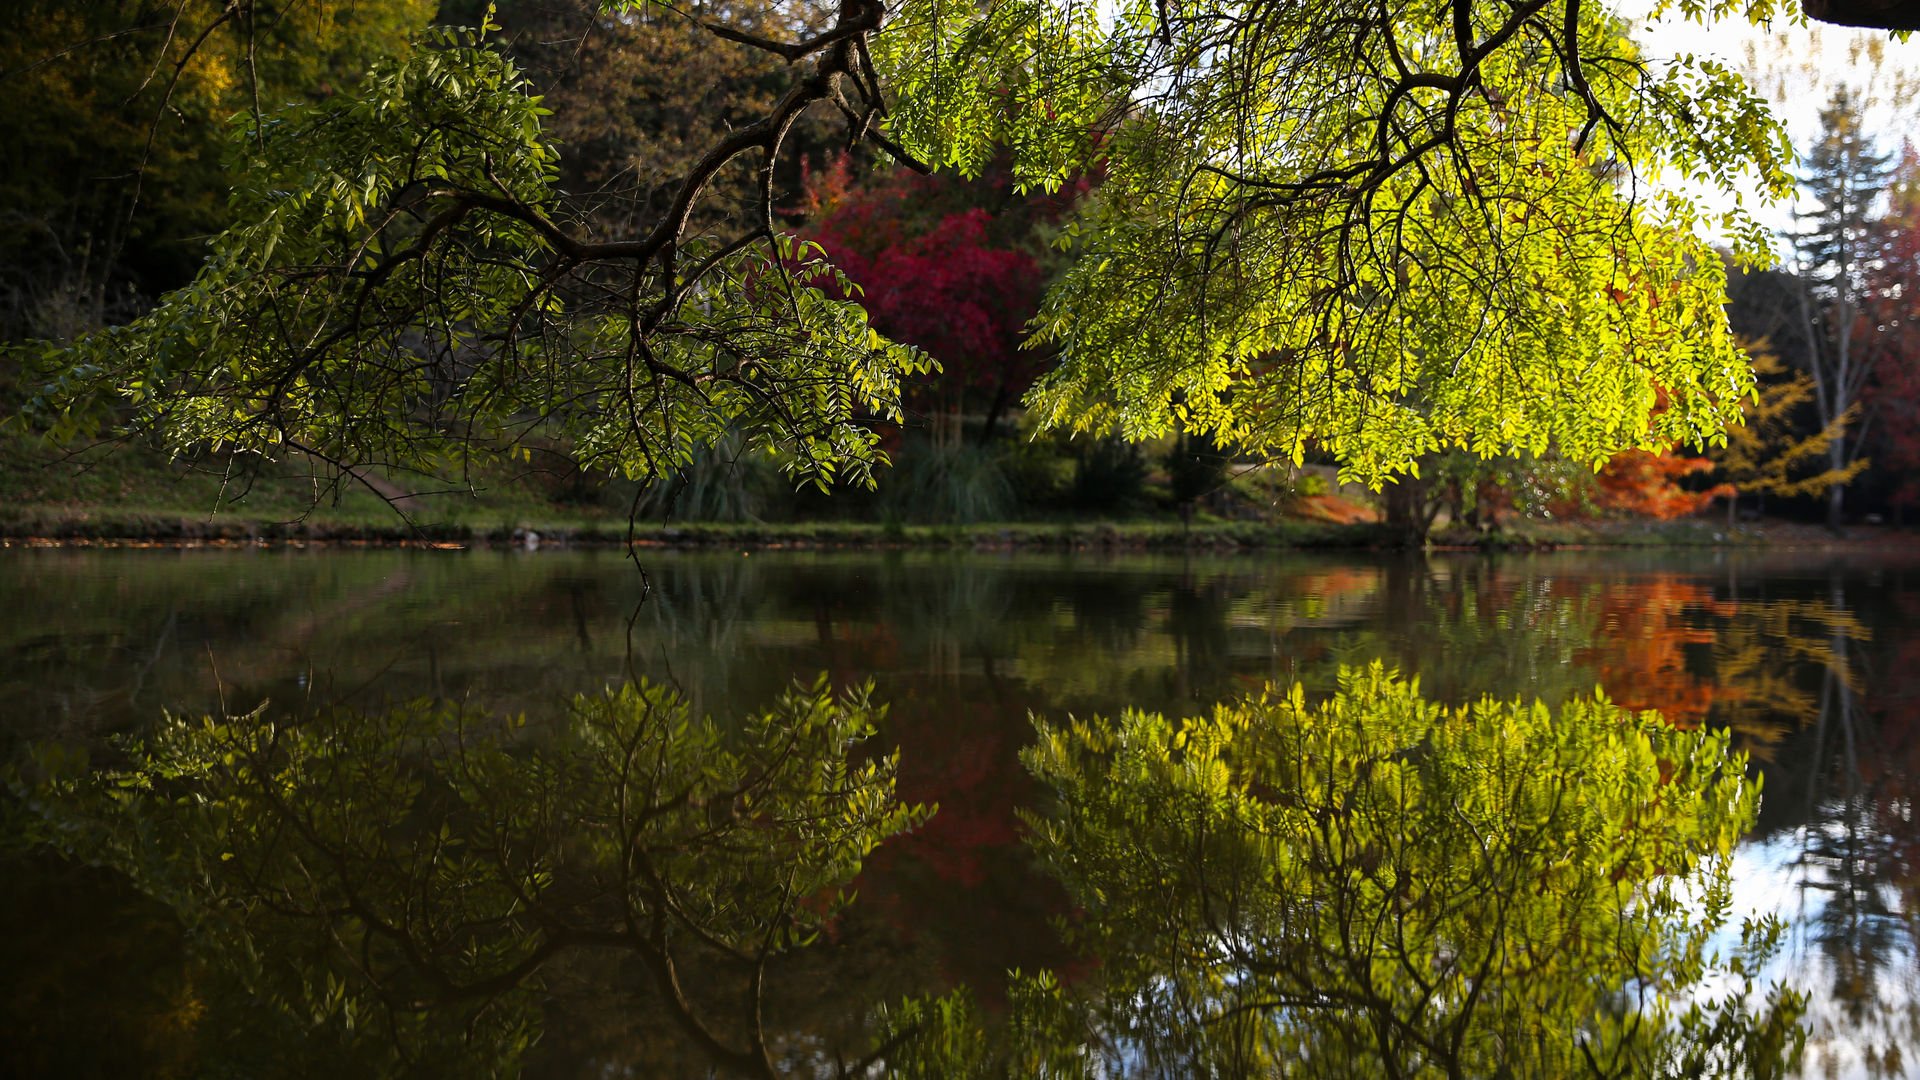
(478, 526)
(68, 524)
(137, 497)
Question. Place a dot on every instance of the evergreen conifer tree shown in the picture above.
(1845, 176)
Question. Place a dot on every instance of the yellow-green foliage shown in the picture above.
(1766, 454)
(1379, 230)
(391, 293)
(1384, 230)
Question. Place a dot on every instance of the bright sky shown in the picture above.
(1798, 68)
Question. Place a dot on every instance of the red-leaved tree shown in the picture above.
(944, 264)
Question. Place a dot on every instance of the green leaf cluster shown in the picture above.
(1375, 231)
(403, 288)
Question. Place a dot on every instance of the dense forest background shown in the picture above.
(119, 165)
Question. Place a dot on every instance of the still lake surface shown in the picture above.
(1812, 659)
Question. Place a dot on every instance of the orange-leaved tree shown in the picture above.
(1648, 484)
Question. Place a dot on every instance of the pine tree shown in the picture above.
(1845, 176)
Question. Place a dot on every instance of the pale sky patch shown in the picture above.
(1797, 68)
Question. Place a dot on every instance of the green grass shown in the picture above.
(132, 494)
(135, 493)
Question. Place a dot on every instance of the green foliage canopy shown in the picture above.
(1382, 230)
(399, 291)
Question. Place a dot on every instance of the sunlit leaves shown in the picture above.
(1352, 227)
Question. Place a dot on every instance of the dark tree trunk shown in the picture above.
(1409, 518)
(1486, 506)
(1000, 401)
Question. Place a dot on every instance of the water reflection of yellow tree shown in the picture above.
(1773, 660)
(1383, 886)
(387, 891)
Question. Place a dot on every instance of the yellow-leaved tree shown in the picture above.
(1768, 454)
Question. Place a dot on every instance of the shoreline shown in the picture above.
(49, 527)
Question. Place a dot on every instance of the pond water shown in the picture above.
(1812, 661)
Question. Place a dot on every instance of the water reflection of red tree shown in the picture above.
(964, 882)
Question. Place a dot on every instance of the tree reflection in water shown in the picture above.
(1845, 838)
(382, 893)
(1372, 884)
